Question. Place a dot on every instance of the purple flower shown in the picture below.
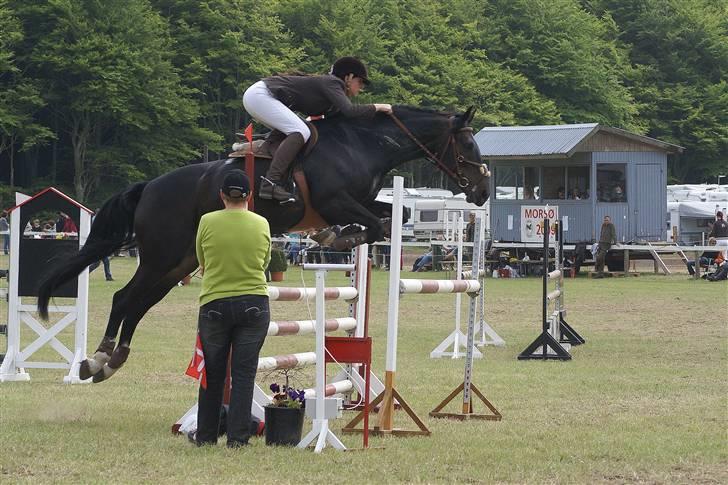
(292, 394)
(275, 388)
(302, 395)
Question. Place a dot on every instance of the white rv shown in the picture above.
(438, 217)
(411, 197)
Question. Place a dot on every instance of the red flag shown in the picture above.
(196, 369)
(249, 133)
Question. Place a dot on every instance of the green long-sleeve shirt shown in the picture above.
(233, 247)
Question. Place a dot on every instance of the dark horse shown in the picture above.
(344, 170)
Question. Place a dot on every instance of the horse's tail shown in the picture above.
(112, 229)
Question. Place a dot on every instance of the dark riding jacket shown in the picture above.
(316, 95)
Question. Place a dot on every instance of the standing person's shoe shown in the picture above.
(271, 190)
(109, 278)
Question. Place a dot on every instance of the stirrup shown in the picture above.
(268, 192)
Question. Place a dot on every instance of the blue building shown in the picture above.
(583, 172)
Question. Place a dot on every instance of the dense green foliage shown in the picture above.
(95, 94)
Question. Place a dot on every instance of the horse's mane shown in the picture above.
(403, 112)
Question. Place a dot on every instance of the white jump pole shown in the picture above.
(488, 335)
(386, 412)
(320, 430)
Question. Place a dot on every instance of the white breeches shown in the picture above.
(261, 105)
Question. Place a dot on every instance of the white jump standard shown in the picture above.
(556, 336)
(31, 255)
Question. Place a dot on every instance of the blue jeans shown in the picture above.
(234, 326)
(107, 267)
(6, 243)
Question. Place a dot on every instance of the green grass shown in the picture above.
(645, 400)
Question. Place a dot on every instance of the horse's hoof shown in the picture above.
(84, 370)
(99, 376)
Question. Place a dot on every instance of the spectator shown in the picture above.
(105, 260)
(68, 225)
(561, 193)
(607, 237)
(707, 258)
(470, 235)
(528, 192)
(618, 194)
(5, 231)
(720, 274)
(720, 232)
(422, 261)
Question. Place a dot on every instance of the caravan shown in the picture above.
(435, 218)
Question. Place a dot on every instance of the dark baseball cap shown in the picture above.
(236, 184)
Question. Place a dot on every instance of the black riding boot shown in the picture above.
(271, 186)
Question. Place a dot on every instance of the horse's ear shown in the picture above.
(464, 119)
(469, 114)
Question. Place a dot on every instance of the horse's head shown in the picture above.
(462, 159)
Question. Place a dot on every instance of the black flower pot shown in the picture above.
(283, 426)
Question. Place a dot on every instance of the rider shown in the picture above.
(273, 100)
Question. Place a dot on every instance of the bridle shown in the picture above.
(460, 160)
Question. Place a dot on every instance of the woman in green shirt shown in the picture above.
(233, 249)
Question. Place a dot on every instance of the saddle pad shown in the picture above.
(260, 149)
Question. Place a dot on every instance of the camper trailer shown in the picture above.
(435, 218)
(411, 197)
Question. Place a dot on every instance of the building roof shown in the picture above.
(550, 141)
(52, 191)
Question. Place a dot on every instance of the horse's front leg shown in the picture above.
(383, 210)
(344, 210)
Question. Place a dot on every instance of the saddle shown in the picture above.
(266, 147)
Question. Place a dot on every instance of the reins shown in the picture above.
(462, 180)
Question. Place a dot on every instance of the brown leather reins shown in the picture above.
(463, 181)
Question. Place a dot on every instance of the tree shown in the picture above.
(19, 97)
(680, 53)
(223, 47)
(418, 53)
(106, 74)
(571, 56)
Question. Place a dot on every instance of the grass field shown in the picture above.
(644, 401)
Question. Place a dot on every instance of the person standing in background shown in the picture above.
(607, 237)
(5, 231)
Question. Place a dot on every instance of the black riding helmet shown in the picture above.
(350, 65)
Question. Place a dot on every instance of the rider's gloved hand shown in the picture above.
(384, 108)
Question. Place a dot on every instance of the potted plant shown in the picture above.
(284, 416)
(278, 264)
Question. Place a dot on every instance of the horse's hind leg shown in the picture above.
(137, 308)
(94, 364)
(143, 278)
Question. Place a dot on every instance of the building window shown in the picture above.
(577, 183)
(531, 184)
(428, 216)
(554, 182)
(508, 179)
(611, 182)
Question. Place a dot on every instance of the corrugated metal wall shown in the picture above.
(644, 214)
(579, 213)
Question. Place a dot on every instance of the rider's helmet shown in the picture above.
(350, 65)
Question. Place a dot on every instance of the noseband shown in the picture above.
(460, 160)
